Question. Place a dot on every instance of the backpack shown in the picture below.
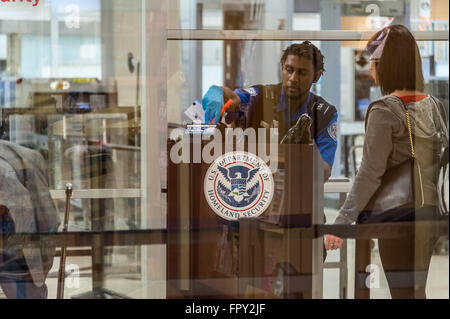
(442, 183)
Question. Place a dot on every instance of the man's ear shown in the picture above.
(317, 76)
(280, 70)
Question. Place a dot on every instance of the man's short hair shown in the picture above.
(305, 50)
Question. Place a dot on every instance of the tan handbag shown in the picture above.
(401, 185)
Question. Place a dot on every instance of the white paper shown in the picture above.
(196, 113)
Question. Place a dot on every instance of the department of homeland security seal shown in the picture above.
(238, 184)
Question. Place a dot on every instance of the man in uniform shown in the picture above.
(281, 105)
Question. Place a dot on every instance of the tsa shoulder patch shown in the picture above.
(332, 130)
(251, 91)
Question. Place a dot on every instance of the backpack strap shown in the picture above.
(443, 126)
(266, 105)
(321, 113)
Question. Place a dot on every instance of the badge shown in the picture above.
(238, 184)
(251, 91)
(332, 131)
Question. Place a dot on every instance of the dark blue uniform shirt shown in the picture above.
(325, 139)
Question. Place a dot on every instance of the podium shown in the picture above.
(274, 255)
(281, 257)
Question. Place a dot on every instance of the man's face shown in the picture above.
(297, 76)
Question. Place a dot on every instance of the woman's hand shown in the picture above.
(333, 242)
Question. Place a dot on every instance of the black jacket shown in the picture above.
(268, 98)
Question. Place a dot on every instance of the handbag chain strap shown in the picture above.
(408, 122)
(413, 154)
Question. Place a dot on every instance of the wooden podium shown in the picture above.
(281, 258)
(274, 255)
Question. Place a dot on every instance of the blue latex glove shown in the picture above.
(212, 103)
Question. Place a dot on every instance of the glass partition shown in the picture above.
(107, 94)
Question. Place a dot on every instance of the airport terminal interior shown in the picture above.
(104, 90)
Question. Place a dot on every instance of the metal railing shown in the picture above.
(283, 35)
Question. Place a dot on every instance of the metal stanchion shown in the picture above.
(62, 262)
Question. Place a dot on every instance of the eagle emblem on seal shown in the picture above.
(238, 185)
